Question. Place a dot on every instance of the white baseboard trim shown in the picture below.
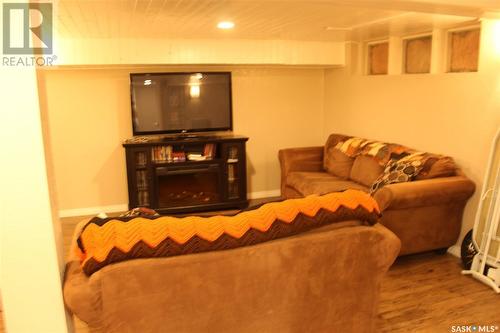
(124, 207)
(454, 250)
(264, 194)
(93, 210)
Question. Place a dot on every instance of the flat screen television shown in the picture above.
(181, 102)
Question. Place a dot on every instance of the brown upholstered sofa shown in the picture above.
(325, 280)
(426, 213)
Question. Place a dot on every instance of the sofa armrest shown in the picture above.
(391, 250)
(82, 295)
(428, 192)
(300, 159)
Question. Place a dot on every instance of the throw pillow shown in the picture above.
(437, 166)
(399, 171)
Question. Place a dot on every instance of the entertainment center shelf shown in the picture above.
(179, 174)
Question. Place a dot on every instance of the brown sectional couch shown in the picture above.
(426, 213)
(324, 280)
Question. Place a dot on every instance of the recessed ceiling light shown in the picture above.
(225, 25)
(329, 28)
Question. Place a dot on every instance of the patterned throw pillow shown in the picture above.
(400, 171)
(437, 166)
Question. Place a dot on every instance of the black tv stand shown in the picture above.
(187, 173)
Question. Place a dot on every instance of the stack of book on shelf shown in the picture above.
(143, 198)
(233, 155)
(231, 175)
(142, 180)
(162, 154)
(140, 159)
(178, 156)
(209, 151)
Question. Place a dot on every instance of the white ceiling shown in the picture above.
(317, 20)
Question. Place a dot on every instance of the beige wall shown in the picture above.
(452, 114)
(30, 272)
(88, 112)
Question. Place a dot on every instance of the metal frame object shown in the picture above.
(486, 233)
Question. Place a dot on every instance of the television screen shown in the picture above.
(181, 102)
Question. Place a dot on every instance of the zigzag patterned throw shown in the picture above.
(106, 241)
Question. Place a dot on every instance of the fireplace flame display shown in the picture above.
(188, 188)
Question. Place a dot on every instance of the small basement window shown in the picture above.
(378, 58)
(417, 55)
(463, 50)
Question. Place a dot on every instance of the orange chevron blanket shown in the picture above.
(105, 241)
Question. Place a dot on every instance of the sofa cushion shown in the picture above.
(334, 161)
(105, 241)
(337, 163)
(438, 166)
(365, 170)
(320, 182)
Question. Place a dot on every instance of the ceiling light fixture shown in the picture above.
(225, 25)
(329, 28)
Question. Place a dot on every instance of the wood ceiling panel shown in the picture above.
(255, 19)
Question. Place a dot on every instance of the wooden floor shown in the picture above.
(427, 293)
(421, 293)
